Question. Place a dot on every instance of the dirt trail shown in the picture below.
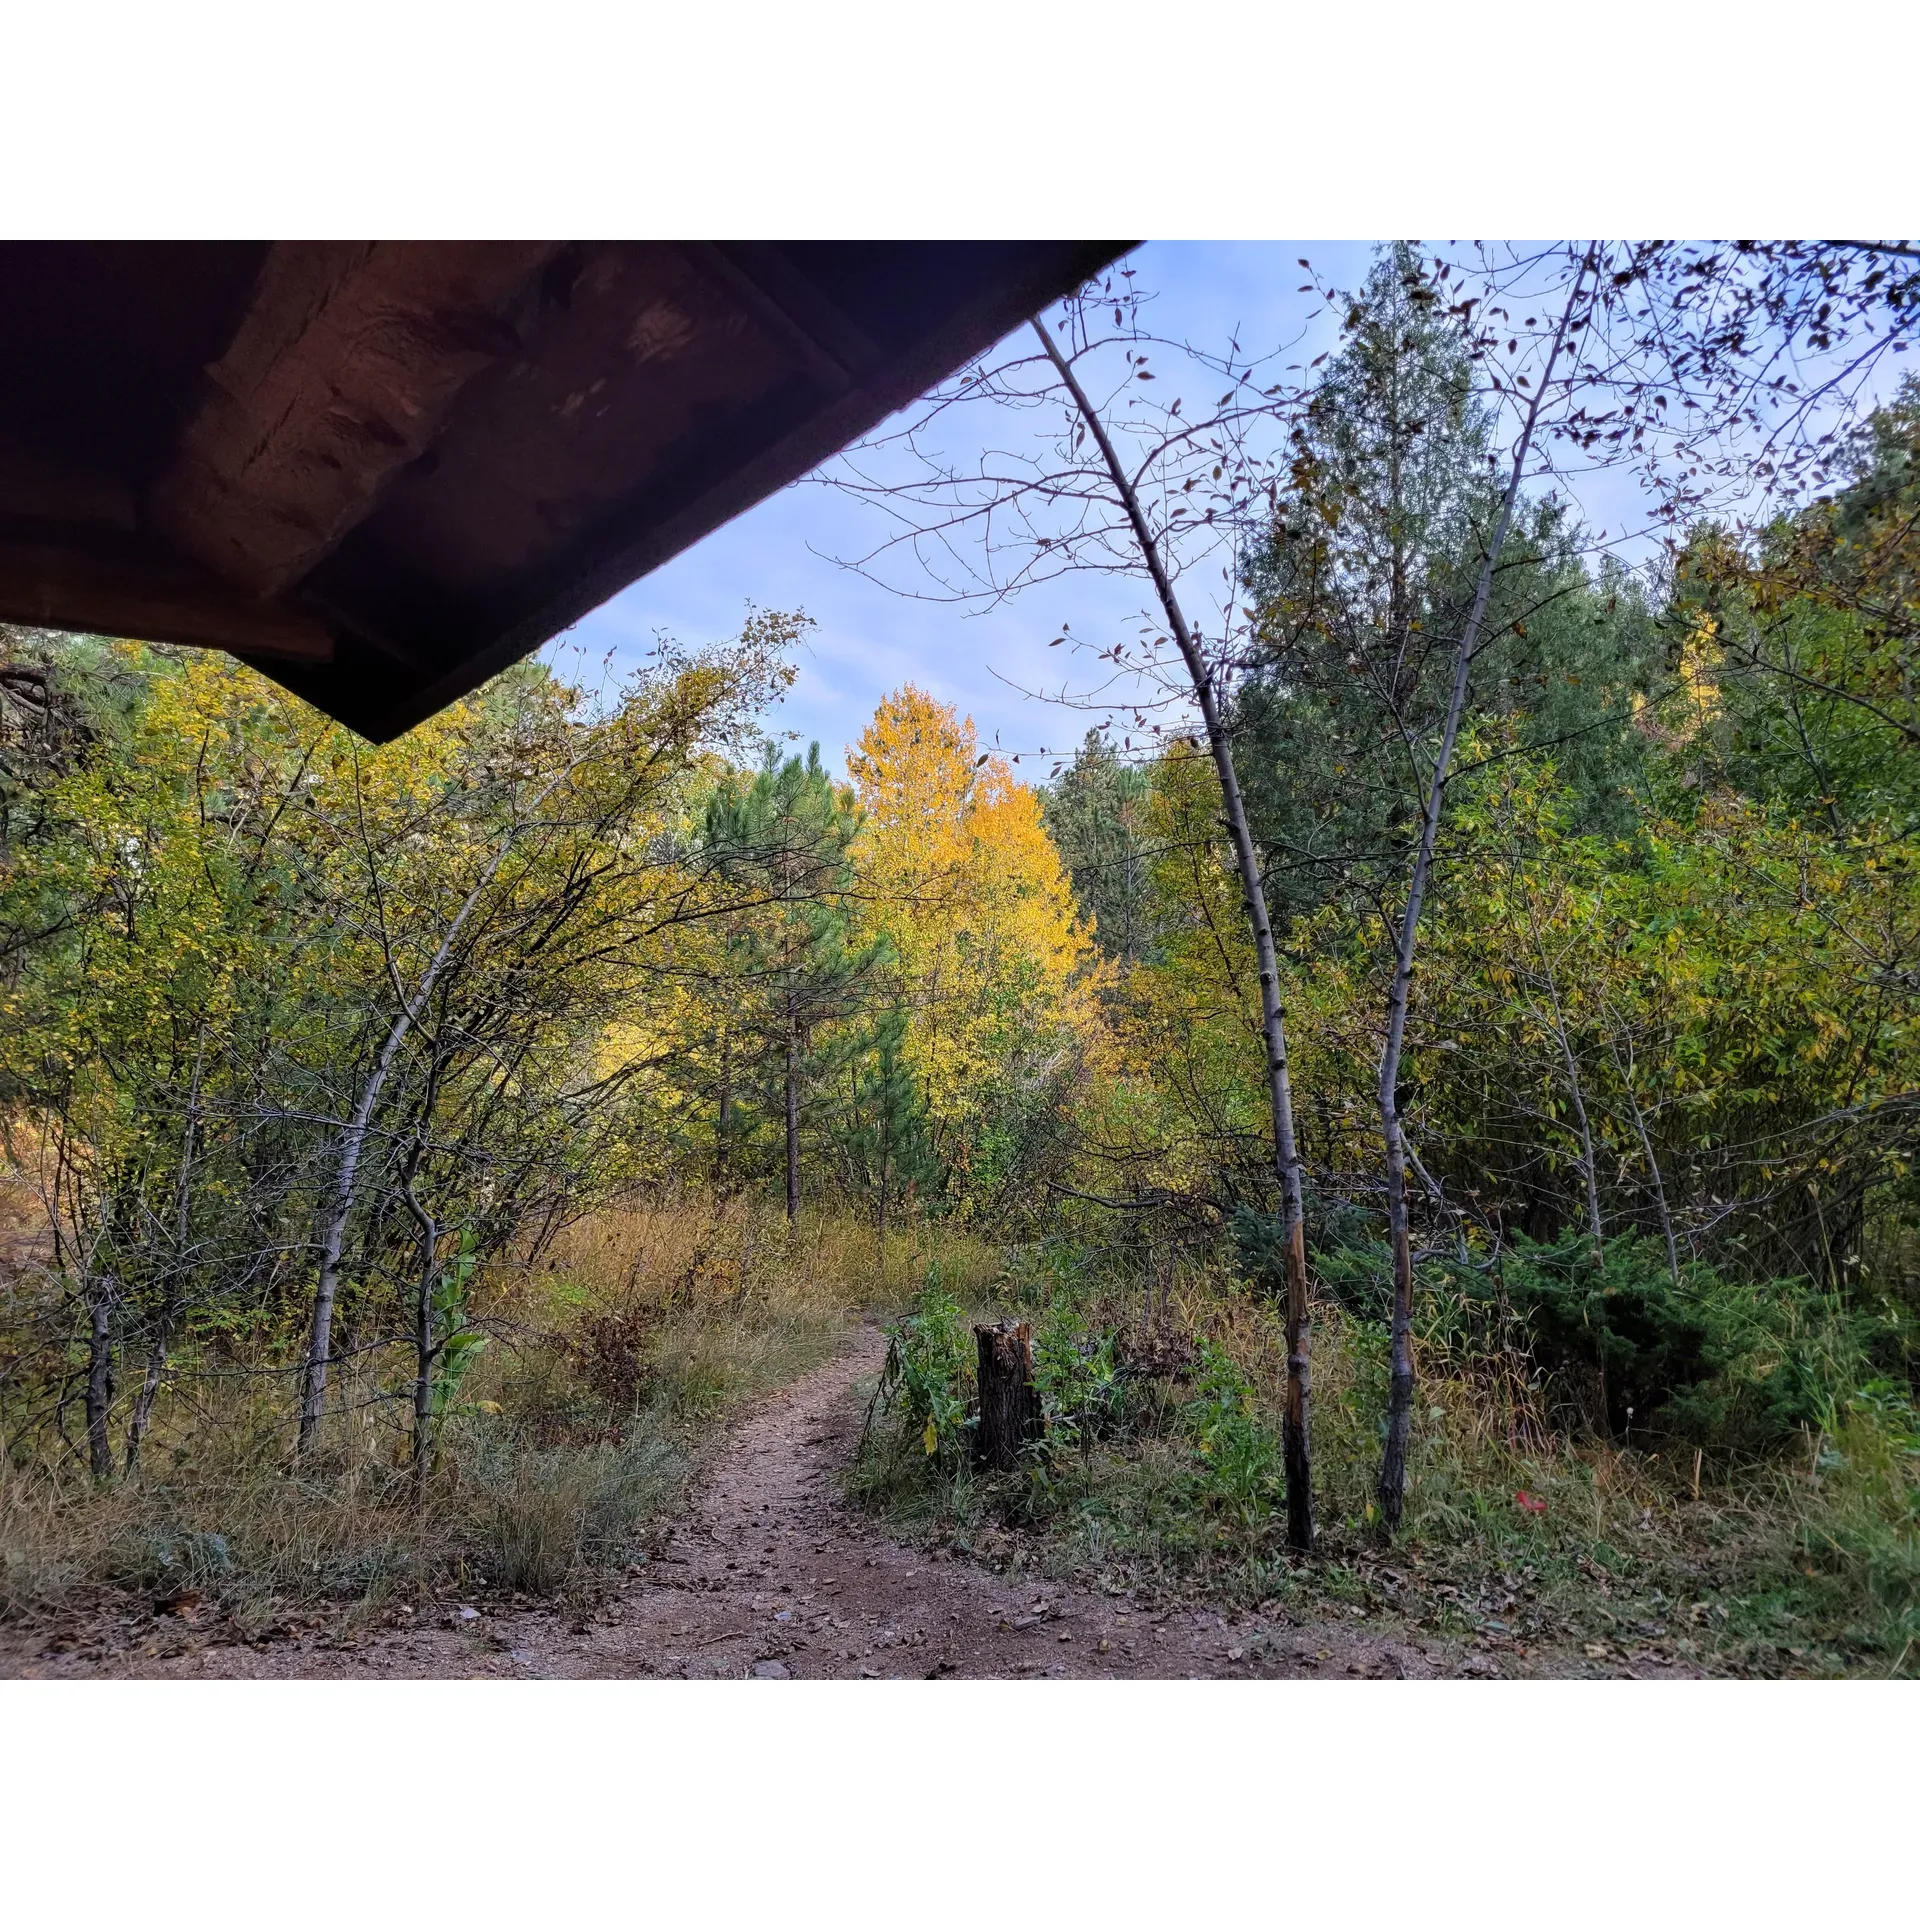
(772, 1575)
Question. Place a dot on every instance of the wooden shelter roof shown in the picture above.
(380, 471)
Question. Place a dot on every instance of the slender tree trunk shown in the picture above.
(1659, 1188)
(1393, 1459)
(143, 1405)
(1295, 1426)
(1393, 1463)
(99, 1375)
(423, 1341)
(352, 1144)
(1653, 1163)
(170, 1301)
(333, 1237)
(793, 1120)
(1438, 1195)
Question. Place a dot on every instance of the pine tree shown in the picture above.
(1096, 814)
(885, 1139)
(782, 839)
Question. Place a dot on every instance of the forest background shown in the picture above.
(410, 1155)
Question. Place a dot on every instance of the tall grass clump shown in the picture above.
(609, 1366)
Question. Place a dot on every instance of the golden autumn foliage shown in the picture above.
(956, 868)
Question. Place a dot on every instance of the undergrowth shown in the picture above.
(606, 1373)
(1762, 1515)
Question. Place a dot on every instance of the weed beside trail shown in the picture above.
(1525, 1529)
(608, 1371)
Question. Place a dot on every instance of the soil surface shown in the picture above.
(772, 1575)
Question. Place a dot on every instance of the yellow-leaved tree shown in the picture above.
(999, 976)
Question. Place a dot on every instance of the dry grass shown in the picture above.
(611, 1370)
(232, 1523)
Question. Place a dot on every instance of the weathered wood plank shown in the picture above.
(117, 590)
(339, 375)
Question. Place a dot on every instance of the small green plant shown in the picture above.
(1077, 1369)
(1238, 1452)
(458, 1344)
(920, 1406)
(168, 1565)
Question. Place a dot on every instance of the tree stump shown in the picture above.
(1010, 1413)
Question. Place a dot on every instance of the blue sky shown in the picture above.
(869, 640)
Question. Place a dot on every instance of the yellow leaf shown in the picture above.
(931, 1438)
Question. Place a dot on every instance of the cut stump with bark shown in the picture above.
(1010, 1413)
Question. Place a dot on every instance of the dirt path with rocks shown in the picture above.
(772, 1575)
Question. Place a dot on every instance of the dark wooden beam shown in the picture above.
(343, 368)
(114, 586)
(381, 471)
(660, 525)
(832, 348)
(57, 490)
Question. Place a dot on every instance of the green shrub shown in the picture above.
(1334, 1226)
(921, 1404)
(1238, 1454)
(1039, 1277)
(1739, 1367)
(169, 1563)
(1735, 1367)
(1076, 1366)
(1359, 1280)
(1618, 1325)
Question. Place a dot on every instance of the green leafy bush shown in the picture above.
(1618, 1324)
(1738, 1367)
(1078, 1371)
(1741, 1367)
(1238, 1454)
(922, 1400)
(1335, 1230)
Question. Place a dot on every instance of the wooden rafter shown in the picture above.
(343, 370)
(383, 470)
